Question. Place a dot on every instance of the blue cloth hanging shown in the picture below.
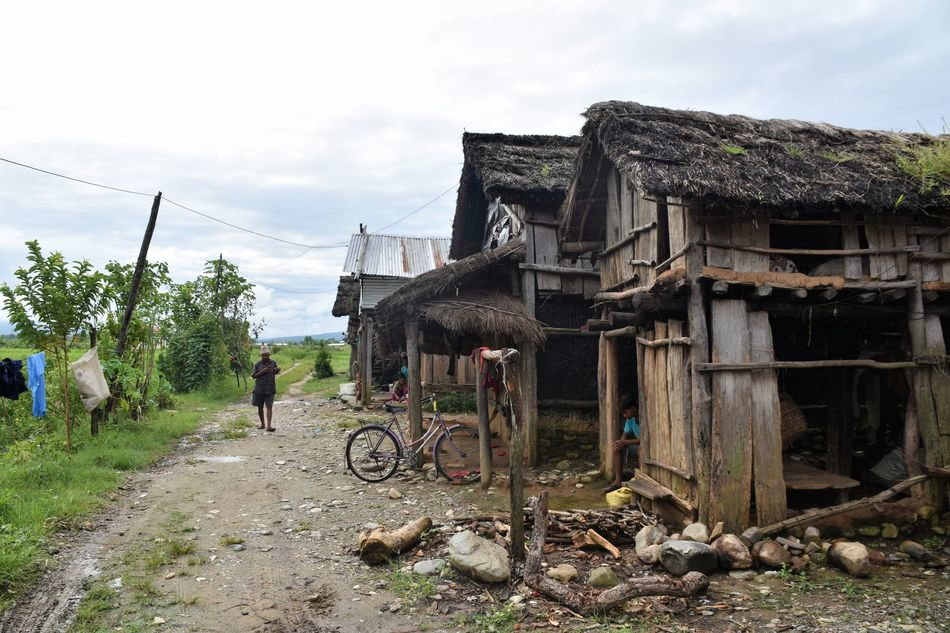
(36, 374)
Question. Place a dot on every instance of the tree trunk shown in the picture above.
(516, 462)
(378, 546)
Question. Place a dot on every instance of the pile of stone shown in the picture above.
(697, 548)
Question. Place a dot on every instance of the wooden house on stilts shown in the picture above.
(776, 292)
(507, 282)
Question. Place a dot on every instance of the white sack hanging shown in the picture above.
(92, 383)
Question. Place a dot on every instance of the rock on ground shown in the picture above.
(732, 552)
(646, 543)
(431, 567)
(680, 557)
(771, 554)
(564, 573)
(478, 557)
(916, 551)
(603, 577)
(696, 532)
(851, 557)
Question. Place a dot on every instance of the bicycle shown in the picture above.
(374, 451)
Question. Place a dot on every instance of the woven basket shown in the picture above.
(794, 424)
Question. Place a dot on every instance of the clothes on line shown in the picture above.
(12, 383)
(36, 373)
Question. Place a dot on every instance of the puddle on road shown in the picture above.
(221, 459)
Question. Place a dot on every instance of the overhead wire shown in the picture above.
(412, 213)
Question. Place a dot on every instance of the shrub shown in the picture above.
(322, 368)
(196, 355)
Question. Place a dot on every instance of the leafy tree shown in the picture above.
(322, 368)
(51, 304)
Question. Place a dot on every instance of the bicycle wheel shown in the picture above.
(456, 454)
(373, 453)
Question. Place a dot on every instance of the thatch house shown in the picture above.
(378, 265)
(504, 237)
(776, 292)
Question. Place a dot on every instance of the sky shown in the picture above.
(302, 120)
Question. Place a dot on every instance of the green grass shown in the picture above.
(928, 164)
(228, 540)
(51, 491)
(328, 387)
(733, 150)
(500, 620)
(410, 587)
(836, 157)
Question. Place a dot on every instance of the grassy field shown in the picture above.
(323, 387)
(43, 490)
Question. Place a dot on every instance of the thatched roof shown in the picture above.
(532, 170)
(347, 297)
(465, 299)
(738, 164)
(485, 315)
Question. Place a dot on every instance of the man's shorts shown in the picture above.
(261, 400)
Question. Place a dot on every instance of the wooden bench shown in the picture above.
(800, 476)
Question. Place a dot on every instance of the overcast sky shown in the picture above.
(303, 119)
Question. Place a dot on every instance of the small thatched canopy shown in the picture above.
(461, 304)
(533, 171)
(347, 297)
(736, 164)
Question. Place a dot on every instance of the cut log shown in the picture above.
(582, 603)
(600, 540)
(379, 545)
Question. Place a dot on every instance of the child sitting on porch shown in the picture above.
(628, 446)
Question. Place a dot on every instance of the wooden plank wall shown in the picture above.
(664, 385)
(731, 489)
(626, 209)
(435, 370)
(745, 232)
(768, 476)
(677, 229)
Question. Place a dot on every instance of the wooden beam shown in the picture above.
(624, 332)
(560, 270)
(574, 248)
(598, 325)
(631, 236)
(807, 364)
(818, 252)
(566, 331)
(666, 263)
(624, 318)
(415, 377)
(679, 340)
(673, 469)
(929, 256)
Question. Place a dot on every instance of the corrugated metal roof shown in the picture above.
(375, 290)
(395, 255)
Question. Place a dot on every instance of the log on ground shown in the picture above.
(379, 545)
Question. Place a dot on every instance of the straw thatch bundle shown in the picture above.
(485, 315)
(347, 296)
(531, 170)
(737, 164)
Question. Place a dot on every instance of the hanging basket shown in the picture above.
(794, 424)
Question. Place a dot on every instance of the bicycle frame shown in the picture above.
(415, 447)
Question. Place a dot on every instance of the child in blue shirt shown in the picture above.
(628, 445)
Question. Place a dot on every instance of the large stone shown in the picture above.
(812, 535)
(681, 557)
(889, 530)
(916, 551)
(478, 557)
(851, 557)
(646, 543)
(771, 554)
(696, 532)
(717, 531)
(752, 536)
(732, 552)
(564, 573)
(432, 567)
(603, 577)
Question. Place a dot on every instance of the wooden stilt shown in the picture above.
(415, 377)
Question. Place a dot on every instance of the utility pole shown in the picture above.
(134, 292)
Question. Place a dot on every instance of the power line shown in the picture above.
(85, 182)
(251, 231)
(296, 292)
(169, 201)
(411, 213)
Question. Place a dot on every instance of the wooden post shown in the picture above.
(603, 409)
(367, 360)
(612, 395)
(137, 277)
(415, 377)
(519, 410)
(96, 415)
(928, 386)
(700, 400)
(529, 366)
(484, 428)
(839, 440)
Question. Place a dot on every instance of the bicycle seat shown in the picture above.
(391, 408)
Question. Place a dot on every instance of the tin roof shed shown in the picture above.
(395, 255)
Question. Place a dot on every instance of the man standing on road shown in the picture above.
(264, 373)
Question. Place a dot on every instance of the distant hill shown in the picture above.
(326, 336)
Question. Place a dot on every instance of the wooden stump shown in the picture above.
(379, 545)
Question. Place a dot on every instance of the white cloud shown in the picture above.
(304, 119)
